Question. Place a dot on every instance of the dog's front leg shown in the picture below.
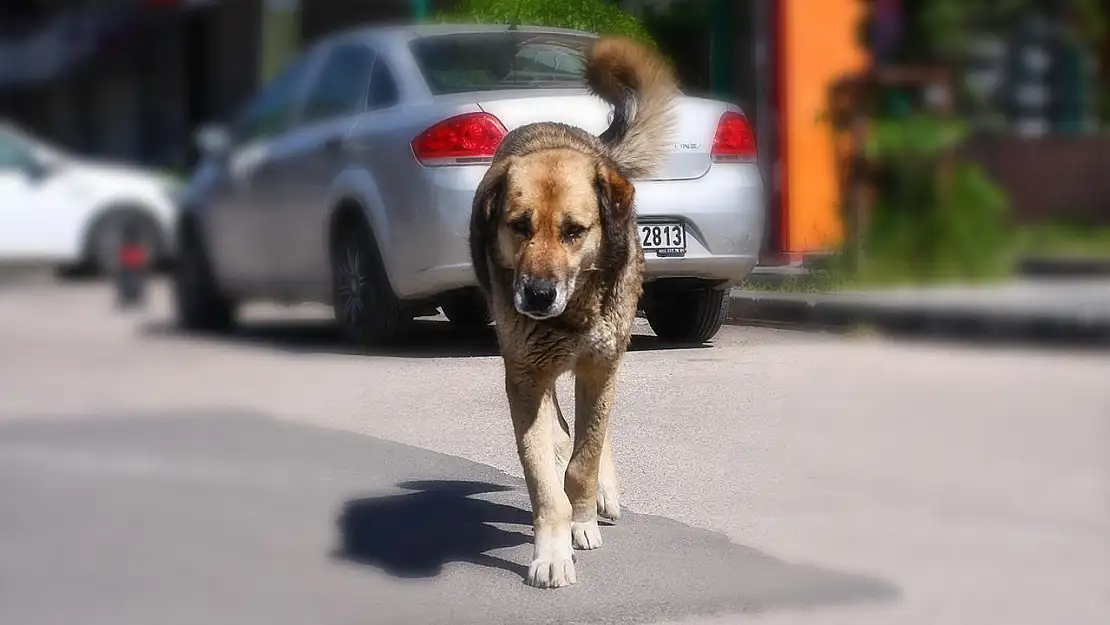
(562, 441)
(532, 403)
(594, 390)
(608, 485)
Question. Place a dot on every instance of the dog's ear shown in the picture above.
(489, 202)
(615, 195)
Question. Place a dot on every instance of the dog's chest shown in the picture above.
(601, 339)
(606, 338)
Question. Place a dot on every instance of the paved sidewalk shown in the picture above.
(225, 516)
(153, 477)
(1073, 310)
(19, 274)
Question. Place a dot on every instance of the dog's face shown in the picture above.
(557, 211)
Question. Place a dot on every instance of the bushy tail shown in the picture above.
(641, 87)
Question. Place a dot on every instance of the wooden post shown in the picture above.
(280, 35)
(850, 114)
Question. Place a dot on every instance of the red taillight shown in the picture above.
(734, 140)
(467, 138)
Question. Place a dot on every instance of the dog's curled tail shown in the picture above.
(641, 87)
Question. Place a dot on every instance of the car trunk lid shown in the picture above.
(688, 155)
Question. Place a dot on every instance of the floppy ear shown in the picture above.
(615, 195)
(489, 200)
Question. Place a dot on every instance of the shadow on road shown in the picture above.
(199, 484)
(415, 534)
(429, 338)
(440, 522)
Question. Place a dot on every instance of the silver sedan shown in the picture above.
(348, 180)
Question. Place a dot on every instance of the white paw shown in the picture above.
(608, 501)
(585, 535)
(552, 573)
(552, 561)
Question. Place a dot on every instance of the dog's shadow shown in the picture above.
(413, 535)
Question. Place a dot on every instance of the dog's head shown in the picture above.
(548, 217)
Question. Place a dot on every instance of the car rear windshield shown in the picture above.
(462, 62)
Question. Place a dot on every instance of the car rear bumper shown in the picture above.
(723, 212)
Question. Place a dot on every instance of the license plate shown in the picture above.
(663, 238)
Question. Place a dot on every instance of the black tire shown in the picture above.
(104, 239)
(693, 316)
(367, 311)
(198, 302)
(467, 310)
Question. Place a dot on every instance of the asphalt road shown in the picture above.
(275, 477)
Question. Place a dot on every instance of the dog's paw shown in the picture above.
(585, 535)
(608, 501)
(555, 573)
(552, 560)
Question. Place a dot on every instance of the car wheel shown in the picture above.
(107, 234)
(467, 310)
(198, 301)
(693, 316)
(366, 309)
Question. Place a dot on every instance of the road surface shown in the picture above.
(276, 477)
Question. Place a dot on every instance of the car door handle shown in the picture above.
(334, 144)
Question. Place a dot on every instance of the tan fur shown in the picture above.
(557, 205)
(642, 87)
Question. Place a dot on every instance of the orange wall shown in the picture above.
(819, 45)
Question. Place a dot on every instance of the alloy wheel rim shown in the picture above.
(351, 282)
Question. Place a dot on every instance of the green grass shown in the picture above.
(835, 274)
(822, 281)
(1045, 240)
(1063, 240)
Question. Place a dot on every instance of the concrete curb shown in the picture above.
(1064, 267)
(841, 313)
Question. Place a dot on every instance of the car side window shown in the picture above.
(15, 154)
(271, 111)
(341, 87)
(383, 87)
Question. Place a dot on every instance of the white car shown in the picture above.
(57, 208)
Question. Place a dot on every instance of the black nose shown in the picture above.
(539, 295)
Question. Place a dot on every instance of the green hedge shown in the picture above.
(927, 226)
(595, 16)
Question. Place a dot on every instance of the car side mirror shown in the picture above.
(213, 140)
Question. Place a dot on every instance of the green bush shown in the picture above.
(935, 217)
(595, 16)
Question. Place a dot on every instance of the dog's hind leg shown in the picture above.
(594, 390)
(532, 403)
(608, 487)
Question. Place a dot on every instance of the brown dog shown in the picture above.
(554, 248)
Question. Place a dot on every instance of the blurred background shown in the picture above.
(131, 81)
(919, 168)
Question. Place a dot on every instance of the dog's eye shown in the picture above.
(521, 226)
(572, 231)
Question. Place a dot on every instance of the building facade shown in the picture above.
(128, 79)
(132, 79)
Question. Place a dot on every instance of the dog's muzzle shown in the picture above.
(540, 298)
